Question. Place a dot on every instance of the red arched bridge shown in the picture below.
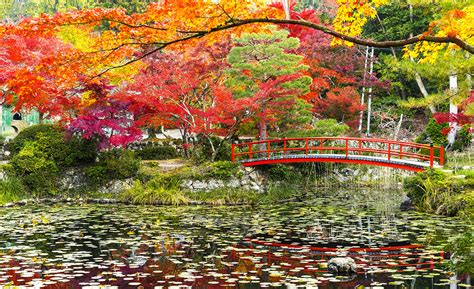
(369, 151)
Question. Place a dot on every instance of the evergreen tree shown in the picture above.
(263, 69)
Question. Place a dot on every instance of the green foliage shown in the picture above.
(437, 192)
(395, 17)
(154, 193)
(53, 141)
(264, 55)
(284, 173)
(323, 127)
(11, 190)
(260, 64)
(203, 152)
(433, 133)
(117, 164)
(462, 248)
(463, 139)
(41, 152)
(38, 172)
(223, 170)
(155, 152)
(225, 196)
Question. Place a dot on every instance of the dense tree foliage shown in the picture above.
(172, 64)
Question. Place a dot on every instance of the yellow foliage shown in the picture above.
(455, 23)
(352, 15)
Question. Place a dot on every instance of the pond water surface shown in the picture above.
(284, 245)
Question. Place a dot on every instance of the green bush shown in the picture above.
(116, 164)
(463, 139)
(97, 175)
(324, 127)
(223, 170)
(41, 152)
(434, 191)
(434, 133)
(285, 173)
(155, 192)
(202, 150)
(11, 190)
(226, 196)
(462, 248)
(30, 134)
(37, 171)
(163, 152)
(54, 142)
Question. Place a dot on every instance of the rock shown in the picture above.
(234, 183)
(116, 186)
(199, 185)
(213, 184)
(406, 204)
(342, 265)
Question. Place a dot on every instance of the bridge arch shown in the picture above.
(369, 151)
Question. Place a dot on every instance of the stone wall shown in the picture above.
(248, 179)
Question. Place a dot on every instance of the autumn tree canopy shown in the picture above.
(56, 62)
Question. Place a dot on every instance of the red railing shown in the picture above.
(348, 146)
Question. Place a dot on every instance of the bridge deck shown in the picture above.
(378, 152)
(338, 158)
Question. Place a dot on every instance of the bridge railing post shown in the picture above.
(389, 146)
(284, 146)
(233, 153)
(441, 156)
(347, 147)
(431, 155)
(268, 149)
(250, 151)
(307, 146)
(401, 151)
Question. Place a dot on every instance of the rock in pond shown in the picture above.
(342, 265)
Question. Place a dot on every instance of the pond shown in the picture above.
(285, 245)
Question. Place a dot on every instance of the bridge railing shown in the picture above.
(389, 149)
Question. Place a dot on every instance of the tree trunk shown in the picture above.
(369, 99)
(263, 136)
(418, 79)
(362, 96)
(453, 108)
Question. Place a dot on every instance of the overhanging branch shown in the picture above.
(237, 23)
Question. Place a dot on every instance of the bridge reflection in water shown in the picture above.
(369, 151)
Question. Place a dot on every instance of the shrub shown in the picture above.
(37, 172)
(434, 133)
(97, 175)
(324, 127)
(163, 152)
(203, 152)
(41, 152)
(434, 191)
(11, 190)
(53, 141)
(223, 170)
(463, 139)
(226, 196)
(462, 248)
(284, 173)
(116, 164)
(154, 193)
